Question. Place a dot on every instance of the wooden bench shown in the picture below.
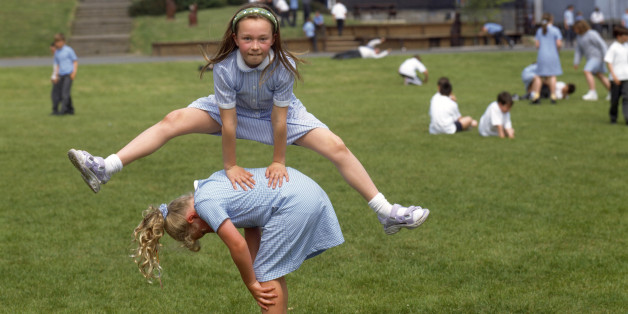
(389, 9)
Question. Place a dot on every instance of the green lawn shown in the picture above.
(27, 27)
(534, 224)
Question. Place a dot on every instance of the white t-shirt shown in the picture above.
(410, 66)
(443, 113)
(339, 11)
(559, 90)
(493, 117)
(597, 17)
(617, 56)
(282, 6)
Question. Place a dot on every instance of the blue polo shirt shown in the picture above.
(493, 28)
(65, 58)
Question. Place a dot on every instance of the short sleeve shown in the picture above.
(224, 87)
(72, 55)
(557, 33)
(608, 58)
(211, 212)
(284, 82)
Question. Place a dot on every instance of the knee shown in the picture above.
(171, 124)
(173, 118)
(336, 147)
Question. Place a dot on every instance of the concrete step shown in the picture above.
(100, 45)
(101, 27)
(341, 44)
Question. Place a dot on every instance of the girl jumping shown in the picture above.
(299, 222)
(255, 74)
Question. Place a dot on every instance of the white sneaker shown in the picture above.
(591, 95)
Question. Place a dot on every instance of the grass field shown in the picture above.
(534, 224)
(27, 27)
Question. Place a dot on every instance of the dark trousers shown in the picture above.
(61, 94)
(340, 24)
(569, 36)
(293, 17)
(617, 91)
(307, 9)
(349, 54)
(499, 36)
(314, 46)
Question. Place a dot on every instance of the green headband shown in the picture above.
(254, 11)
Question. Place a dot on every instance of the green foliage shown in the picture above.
(537, 224)
(211, 27)
(158, 7)
(482, 10)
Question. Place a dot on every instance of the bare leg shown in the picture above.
(535, 87)
(551, 81)
(330, 146)
(467, 122)
(604, 79)
(176, 123)
(281, 301)
(590, 80)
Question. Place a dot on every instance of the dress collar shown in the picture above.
(245, 68)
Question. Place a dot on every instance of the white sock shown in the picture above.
(113, 164)
(380, 205)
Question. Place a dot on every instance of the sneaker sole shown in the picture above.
(89, 178)
(396, 228)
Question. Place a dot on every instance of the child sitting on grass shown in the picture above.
(496, 119)
(444, 113)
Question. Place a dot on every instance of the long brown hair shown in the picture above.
(227, 45)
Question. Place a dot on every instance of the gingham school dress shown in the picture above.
(237, 85)
(548, 61)
(297, 219)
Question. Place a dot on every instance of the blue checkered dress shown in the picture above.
(297, 220)
(238, 86)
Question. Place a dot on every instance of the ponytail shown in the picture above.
(147, 235)
(151, 229)
(546, 19)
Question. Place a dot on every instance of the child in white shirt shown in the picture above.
(409, 68)
(444, 113)
(616, 59)
(496, 119)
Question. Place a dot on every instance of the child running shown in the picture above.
(298, 220)
(255, 74)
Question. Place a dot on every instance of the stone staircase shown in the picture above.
(101, 27)
(340, 43)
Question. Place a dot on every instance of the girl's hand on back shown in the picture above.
(239, 176)
(275, 174)
(262, 294)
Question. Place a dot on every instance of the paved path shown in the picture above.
(119, 59)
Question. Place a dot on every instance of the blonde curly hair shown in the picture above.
(151, 229)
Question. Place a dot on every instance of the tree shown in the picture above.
(481, 10)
